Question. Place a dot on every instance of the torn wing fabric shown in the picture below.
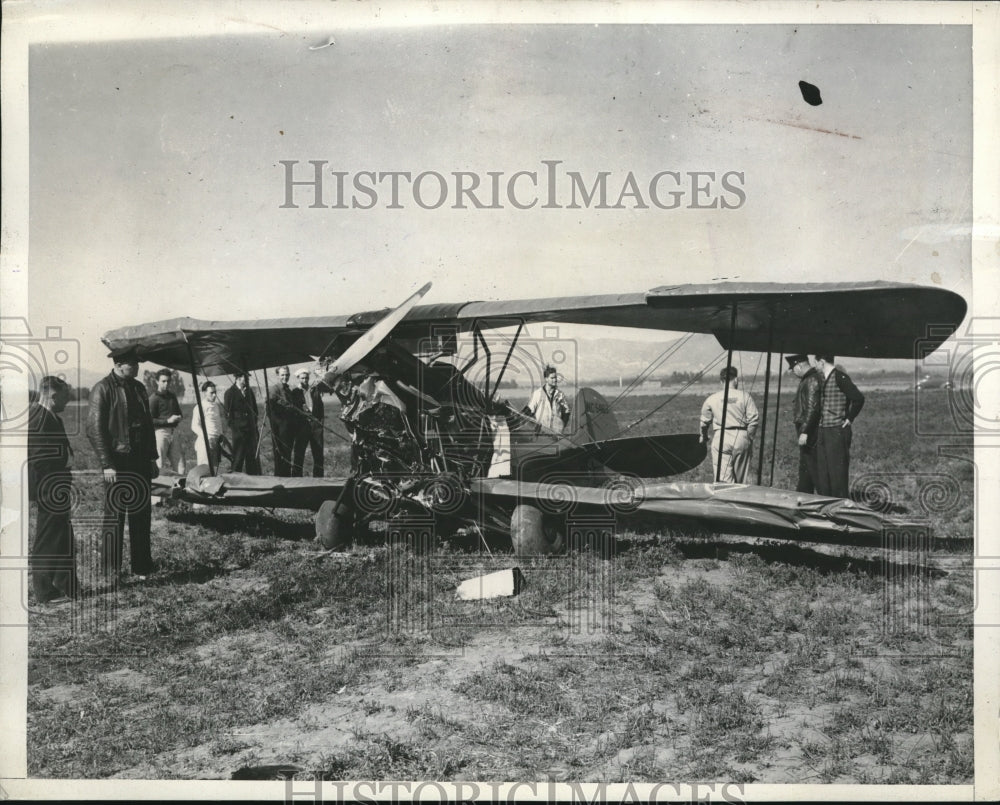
(714, 508)
(720, 508)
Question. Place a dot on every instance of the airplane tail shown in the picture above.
(645, 456)
(592, 419)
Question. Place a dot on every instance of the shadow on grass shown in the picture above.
(250, 524)
(796, 555)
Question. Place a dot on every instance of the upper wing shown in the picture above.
(229, 347)
(864, 320)
(871, 320)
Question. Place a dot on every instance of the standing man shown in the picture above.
(840, 404)
(53, 555)
(548, 404)
(241, 409)
(741, 429)
(121, 431)
(805, 415)
(215, 419)
(285, 417)
(312, 428)
(165, 410)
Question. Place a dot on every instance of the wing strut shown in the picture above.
(777, 410)
(725, 398)
(267, 412)
(486, 351)
(260, 425)
(767, 388)
(490, 395)
(201, 411)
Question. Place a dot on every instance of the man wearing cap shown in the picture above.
(310, 397)
(741, 428)
(840, 403)
(120, 428)
(805, 415)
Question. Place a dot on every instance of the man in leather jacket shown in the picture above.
(120, 428)
(805, 415)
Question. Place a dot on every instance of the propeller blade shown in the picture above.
(360, 349)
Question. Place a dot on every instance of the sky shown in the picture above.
(157, 185)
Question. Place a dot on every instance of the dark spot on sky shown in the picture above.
(810, 93)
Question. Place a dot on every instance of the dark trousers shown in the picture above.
(315, 436)
(302, 439)
(833, 457)
(283, 440)
(807, 469)
(244, 457)
(128, 495)
(52, 557)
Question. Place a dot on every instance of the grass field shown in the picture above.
(682, 657)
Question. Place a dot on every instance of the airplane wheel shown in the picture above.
(532, 532)
(334, 530)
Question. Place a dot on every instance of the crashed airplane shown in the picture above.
(433, 439)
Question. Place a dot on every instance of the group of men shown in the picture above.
(826, 404)
(121, 430)
(135, 437)
(296, 416)
(237, 411)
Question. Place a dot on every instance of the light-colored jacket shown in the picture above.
(215, 419)
(741, 413)
(549, 413)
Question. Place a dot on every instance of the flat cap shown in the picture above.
(795, 360)
(124, 353)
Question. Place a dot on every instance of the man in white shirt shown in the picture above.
(215, 418)
(741, 428)
(548, 404)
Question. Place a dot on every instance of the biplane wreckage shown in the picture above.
(432, 438)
